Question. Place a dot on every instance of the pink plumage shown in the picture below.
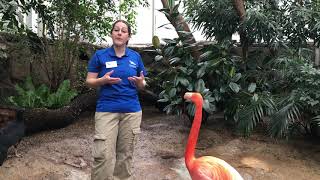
(206, 167)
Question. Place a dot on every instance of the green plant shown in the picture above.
(276, 85)
(68, 19)
(242, 89)
(288, 113)
(286, 92)
(29, 96)
(295, 107)
(248, 92)
(62, 96)
(64, 25)
(251, 110)
(263, 84)
(181, 73)
(264, 22)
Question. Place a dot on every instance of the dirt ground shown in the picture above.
(66, 153)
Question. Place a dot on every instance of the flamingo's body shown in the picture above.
(206, 167)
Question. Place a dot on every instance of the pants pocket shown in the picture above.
(99, 149)
(136, 132)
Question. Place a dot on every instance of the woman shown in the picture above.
(119, 72)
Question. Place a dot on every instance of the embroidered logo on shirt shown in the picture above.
(132, 64)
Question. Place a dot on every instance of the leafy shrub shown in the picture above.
(277, 85)
(29, 96)
(181, 73)
(304, 83)
(282, 91)
(290, 98)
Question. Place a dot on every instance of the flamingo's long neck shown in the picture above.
(194, 133)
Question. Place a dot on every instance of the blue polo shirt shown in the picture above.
(121, 97)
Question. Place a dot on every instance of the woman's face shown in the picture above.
(120, 34)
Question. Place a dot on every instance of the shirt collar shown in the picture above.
(113, 53)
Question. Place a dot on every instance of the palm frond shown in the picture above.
(252, 113)
(316, 120)
(287, 115)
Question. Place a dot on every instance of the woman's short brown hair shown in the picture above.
(123, 21)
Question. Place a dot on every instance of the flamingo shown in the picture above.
(205, 167)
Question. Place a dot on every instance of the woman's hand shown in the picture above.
(93, 80)
(106, 79)
(139, 81)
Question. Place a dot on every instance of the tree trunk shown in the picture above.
(180, 24)
(241, 11)
(39, 119)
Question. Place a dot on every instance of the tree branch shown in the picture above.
(180, 24)
(241, 11)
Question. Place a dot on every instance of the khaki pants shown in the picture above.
(114, 140)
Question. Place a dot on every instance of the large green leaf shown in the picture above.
(183, 81)
(172, 92)
(236, 77)
(201, 71)
(252, 87)
(200, 86)
(234, 87)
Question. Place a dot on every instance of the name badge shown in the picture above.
(111, 64)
